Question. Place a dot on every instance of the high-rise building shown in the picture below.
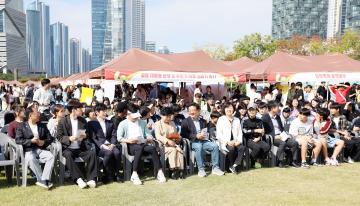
(75, 56)
(352, 14)
(59, 50)
(13, 36)
(335, 16)
(117, 25)
(107, 30)
(299, 17)
(86, 60)
(164, 50)
(150, 46)
(38, 37)
(134, 24)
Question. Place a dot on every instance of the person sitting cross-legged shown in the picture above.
(194, 129)
(230, 138)
(103, 133)
(35, 138)
(71, 133)
(134, 132)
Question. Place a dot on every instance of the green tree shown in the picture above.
(215, 51)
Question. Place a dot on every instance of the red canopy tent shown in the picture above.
(236, 68)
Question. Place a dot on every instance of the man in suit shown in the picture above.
(103, 133)
(35, 138)
(274, 127)
(194, 129)
(72, 135)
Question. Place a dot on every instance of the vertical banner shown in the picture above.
(109, 89)
(87, 95)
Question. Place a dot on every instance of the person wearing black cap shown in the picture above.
(253, 131)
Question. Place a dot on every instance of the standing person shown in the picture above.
(230, 138)
(58, 94)
(194, 129)
(99, 94)
(291, 92)
(20, 116)
(29, 93)
(103, 133)
(253, 94)
(322, 92)
(136, 135)
(308, 95)
(274, 127)
(77, 93)
(44, 96)
(253, 130)
(341, 92)
(140, 93)
(35, 138)
(72, 135)
(299, 93)
(208, 94)
(164, 130)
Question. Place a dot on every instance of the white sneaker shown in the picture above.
(135, 179)
(350, 161)
(202, 173)
(42, 184)
(334, 162)
(91, 184)
(217, 171)
(81, 183)
(161, 176)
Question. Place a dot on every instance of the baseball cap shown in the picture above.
(252, 106)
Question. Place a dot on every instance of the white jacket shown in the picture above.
(223, 131)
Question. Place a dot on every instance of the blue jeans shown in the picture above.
(200, 147)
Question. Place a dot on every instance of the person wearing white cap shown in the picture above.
(136, 135)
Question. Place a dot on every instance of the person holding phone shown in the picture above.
(72, 135)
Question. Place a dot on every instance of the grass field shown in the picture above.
(274, 186)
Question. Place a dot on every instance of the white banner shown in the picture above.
(330, 77)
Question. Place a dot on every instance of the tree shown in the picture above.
(215, 51)
(254, 46)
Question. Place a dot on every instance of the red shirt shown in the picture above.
(340, 95)
(12, 128)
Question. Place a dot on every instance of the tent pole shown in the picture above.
(219, 90)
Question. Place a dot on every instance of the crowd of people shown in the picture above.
(304, 128)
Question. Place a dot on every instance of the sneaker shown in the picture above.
(91, 184)
(81, 183)
(295, 165)
(49, 184)
(217, 171)
(350, 161)
(334, 162)
(42, 184)
(305, 165)
(233, 170)
(202, 173)
(161, 176)
(135, 179)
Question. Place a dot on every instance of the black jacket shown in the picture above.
(269, 126)
(97, 136)
(188, 129)
(249, 125)
(65, 131)
(24, 136)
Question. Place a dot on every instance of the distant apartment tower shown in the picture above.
(75, 56)
(164, 50)
(107, 30)
(59, 50)
(353, 15)
(299, 17)
(336, 18)
(38, 37)
(13, 36)
(150, 46)
(86, 60)
(134, 24)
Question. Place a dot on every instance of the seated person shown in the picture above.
(342, 125)
(194, 129)
(286, 118)
(163, 129)
(273, 127)
(35, 138)
(211, 126)
(230, 138)
(19, 118)
(253, 131)
(134, 132)
(325, 128)
(71, 134)
(102, 132)
(302, 129)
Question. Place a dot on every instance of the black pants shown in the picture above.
(111, 161)
(352, 148)
(139, 150)
(259, 148)
(89, 157)
(292, 144)
(237, 152)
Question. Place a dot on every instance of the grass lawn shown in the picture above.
(274, 186)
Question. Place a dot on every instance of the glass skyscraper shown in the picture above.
(299, 17)
(38, 37)
(13, 36)
(353, 14)
(86, 60)
(59, 50)
(75, 56)
(134, 24)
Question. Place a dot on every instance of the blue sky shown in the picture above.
(179, 24)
